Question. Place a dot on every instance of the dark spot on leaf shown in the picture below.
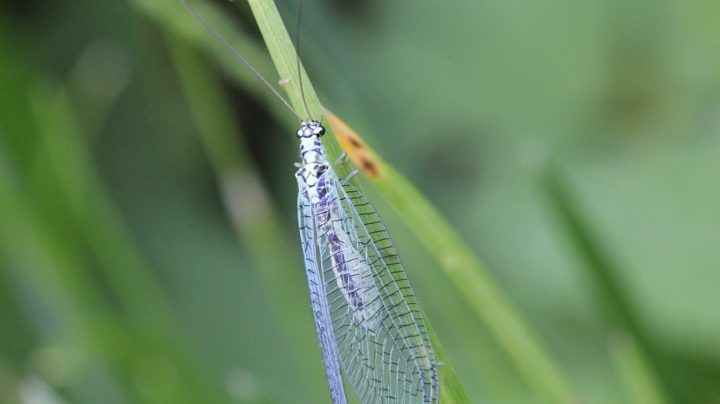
(369, 167)
(355, 142)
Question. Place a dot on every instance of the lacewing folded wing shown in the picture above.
(318, 300)
(380, 336)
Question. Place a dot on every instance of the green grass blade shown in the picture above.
(175, 19)
(476, 286)
(81, 192)
(462, 266)
(442, 241)
(640, 383)
(451, 390)
(253, 217)
(611, 294)
(283, 54)
(636, 356)
(465, 269)
(57, 277)
(149, 321)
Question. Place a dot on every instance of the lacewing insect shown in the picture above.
(370, 328)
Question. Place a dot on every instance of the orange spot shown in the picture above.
(358, 151)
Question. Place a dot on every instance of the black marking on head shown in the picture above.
(309, 129)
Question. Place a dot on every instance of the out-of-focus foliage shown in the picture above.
(147, 232)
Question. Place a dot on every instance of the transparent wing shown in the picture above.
(382, 341)
(318, 299)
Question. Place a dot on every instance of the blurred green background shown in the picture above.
(148, 243)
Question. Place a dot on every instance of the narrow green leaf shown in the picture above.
(283, 54)
(173, 371)
(635, 354)
(476, 286)
(638, 379)
(462, 266)
(250, 209)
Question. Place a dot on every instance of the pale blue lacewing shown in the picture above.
(369, 325)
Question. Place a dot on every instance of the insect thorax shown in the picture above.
(314, 163)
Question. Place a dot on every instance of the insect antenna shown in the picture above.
(240, 57)
(298, 23)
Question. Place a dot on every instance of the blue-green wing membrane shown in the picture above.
(318, 300)
(381, 338)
